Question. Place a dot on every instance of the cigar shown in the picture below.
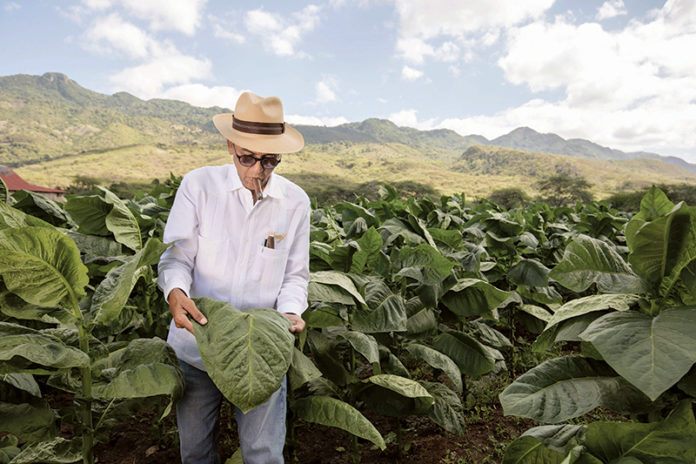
(259, 190)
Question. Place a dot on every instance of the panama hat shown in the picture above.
(257, 124)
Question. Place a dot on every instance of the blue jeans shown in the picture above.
(261, 430)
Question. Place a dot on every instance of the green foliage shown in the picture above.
(411, 302)
(44, 279)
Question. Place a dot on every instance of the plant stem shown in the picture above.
(86, 406)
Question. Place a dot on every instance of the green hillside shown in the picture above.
(53, 131)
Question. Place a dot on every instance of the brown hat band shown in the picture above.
(263, 128)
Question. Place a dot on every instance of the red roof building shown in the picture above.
(15, 183)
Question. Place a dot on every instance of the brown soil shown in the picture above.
(140, 441)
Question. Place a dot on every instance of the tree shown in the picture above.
(509, 198)
(563, 189)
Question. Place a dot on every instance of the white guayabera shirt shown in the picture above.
(218, 234)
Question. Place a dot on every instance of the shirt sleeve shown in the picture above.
(175, 269)
(292, 297)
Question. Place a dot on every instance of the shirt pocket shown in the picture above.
(269, 268)
(211, 258)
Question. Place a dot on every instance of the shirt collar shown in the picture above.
(273, 187)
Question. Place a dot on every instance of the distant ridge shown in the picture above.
(50, 116)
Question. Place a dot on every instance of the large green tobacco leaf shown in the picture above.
(15, 307)
(113, 292)
(386, 311)
(563, 388)
(474, 297)
(529, 450)
(246, 353)
(370, 245)
(56, 451)
(42, 207)
(331, 412)
(393, 228)
(422, 263)
(12, 218)
(672, 440)
(529, 272)
(96, 247)
(302, 370)
(422, 323)
(327, 359)
(397, 396)
(30, 348)
(556, 437)
(333, 287)
(29, 421)
(145, 367)
(447, 410)
(653, 353)
(587, 260)
(103, 214)
(471, 357)
(42, 266)
(438, 361)
(580, 306)
(364, 344)
(662, 246)
(24, 382)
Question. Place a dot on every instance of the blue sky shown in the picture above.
(617, 72)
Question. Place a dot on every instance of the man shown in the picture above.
(239, 234)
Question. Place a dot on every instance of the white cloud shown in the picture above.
(432, 18)
(180, 15)
(222, 33)
(409, 118)
(148, 80)
(610, 9)
(97, 4)
(324, 91)
(11, 6)
(281, 35)
(632, 89)
(111, 34)
(201, 95)
(448, 30)
(410, 74)
(315, 120)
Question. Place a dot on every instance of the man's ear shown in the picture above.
(230, 147)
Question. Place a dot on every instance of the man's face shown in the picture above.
(249, 174)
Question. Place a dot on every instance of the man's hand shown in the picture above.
(298, 324)
(181, 306)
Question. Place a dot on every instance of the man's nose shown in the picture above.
(257, 169)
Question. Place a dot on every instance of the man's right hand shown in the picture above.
(181, 306)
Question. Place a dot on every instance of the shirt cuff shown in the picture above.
(291, 308)
(184, 286)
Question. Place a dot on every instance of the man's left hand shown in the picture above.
(298, 324)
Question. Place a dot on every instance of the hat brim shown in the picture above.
(290, 141)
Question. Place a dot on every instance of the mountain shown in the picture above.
(49, 116)
(384, 131)
(53, 130)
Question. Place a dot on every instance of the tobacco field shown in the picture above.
(412, 303)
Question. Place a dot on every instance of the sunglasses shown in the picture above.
(267, 161)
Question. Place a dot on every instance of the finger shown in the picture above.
(182, 321)
(191, 308)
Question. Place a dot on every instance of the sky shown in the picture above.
(621, 73)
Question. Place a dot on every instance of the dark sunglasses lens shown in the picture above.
(270, 162)
(247, 160)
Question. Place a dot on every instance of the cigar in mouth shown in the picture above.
(259, 190)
